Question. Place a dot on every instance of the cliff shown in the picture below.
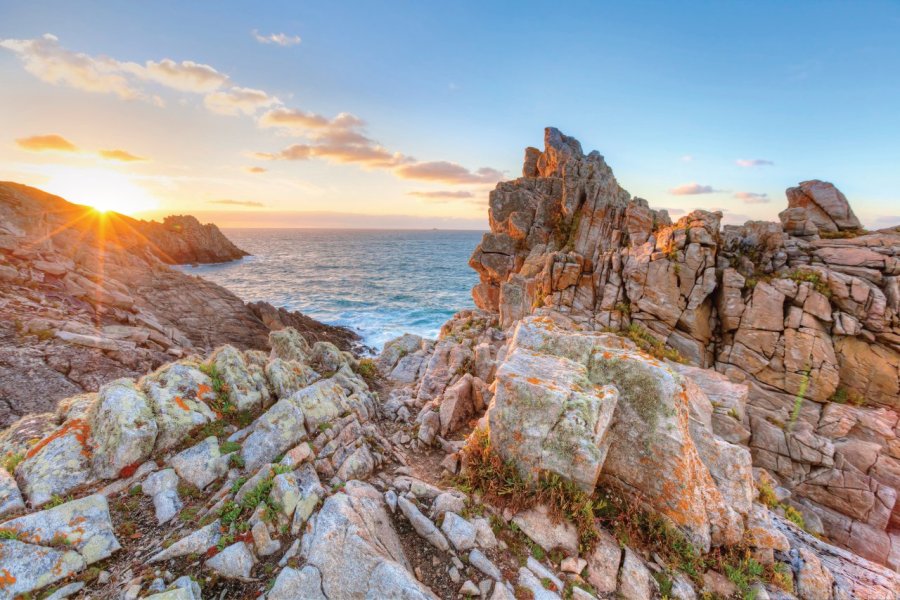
(86, 298)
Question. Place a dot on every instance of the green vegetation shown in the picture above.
(9, 534)
(842, 235)
(798, 399)
(650, 344)
(801, 276)
(844, 395)
(12, 460)
(367, 370)
(636, 383)
(229, 447)
(222, 404)
(767, 497)
(501, 485)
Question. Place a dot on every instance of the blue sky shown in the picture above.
(673, 94)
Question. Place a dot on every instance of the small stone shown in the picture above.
(543, 572)
(573, 564)
(453, 572)
(264, 543)
(469, 589)
(481, 562)
(234, 562)
(390, 497)
(460, 532)
(202, 464)
(484, 533)
(423, 525)
(197, 542)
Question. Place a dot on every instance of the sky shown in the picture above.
(406, 114)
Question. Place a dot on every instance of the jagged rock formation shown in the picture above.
(181, 239)
(806, 312)
(85, 298)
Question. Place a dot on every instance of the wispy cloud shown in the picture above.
(447, 172)
(255, 170)
(239, 100)
(120, 155)
(280, 39)
(691, 189)
(687, 158)
(443, 194)
(48, 60)
(752, 197)
(341, 139)
(227, 202)
(44, 143)
(753, 162)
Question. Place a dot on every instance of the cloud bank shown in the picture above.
(692, 189)
(44, 143)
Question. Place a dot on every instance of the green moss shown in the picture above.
(801, 276)
(367, 369)
(637, 385)
(12, 460)
(844, 395)
(229, 447)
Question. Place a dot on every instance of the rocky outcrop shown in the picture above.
(805, 312)
(182, 239)
(86, 298)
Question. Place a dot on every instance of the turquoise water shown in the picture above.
(379, 283)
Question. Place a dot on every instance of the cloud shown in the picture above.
(47, 60)
(255, 170)
(238, 203)
(186, 76)
(753, 162)
(281, 39)
(342, 139)
(886, 221)
(691, 189)
(239, 100)
(120, 155)
(447, 172)
(443, 194)
(752, 197)
(43, 143)
(687, 158)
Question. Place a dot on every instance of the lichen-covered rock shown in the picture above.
(58, 463)
(179, 394)
(124, 428)
(10, 496)
(275, 431)
(235, 374)
(548, 416)
(651, 442)
(356, 550)
(816, 206)
(55, 543)
(310, 493)
(25, 567)
(288, 377)
(459, 531)
(288, 344)
(202, 463)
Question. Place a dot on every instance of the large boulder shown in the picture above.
(654, 447)
(124, 429)
(357, 553)
(815, 206)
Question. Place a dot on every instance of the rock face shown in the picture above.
(806, 313)
(87, 298)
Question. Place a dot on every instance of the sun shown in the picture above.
(102, 189)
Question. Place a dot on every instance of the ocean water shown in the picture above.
(379, 283)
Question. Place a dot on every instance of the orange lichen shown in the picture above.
(128, 470)
(203, 390)
(181, 404)
(6, 578)
(533, 381)
(78, 427)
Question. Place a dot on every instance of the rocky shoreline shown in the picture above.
(637, 409)
(86, 298)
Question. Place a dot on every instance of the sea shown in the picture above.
(379, 283)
